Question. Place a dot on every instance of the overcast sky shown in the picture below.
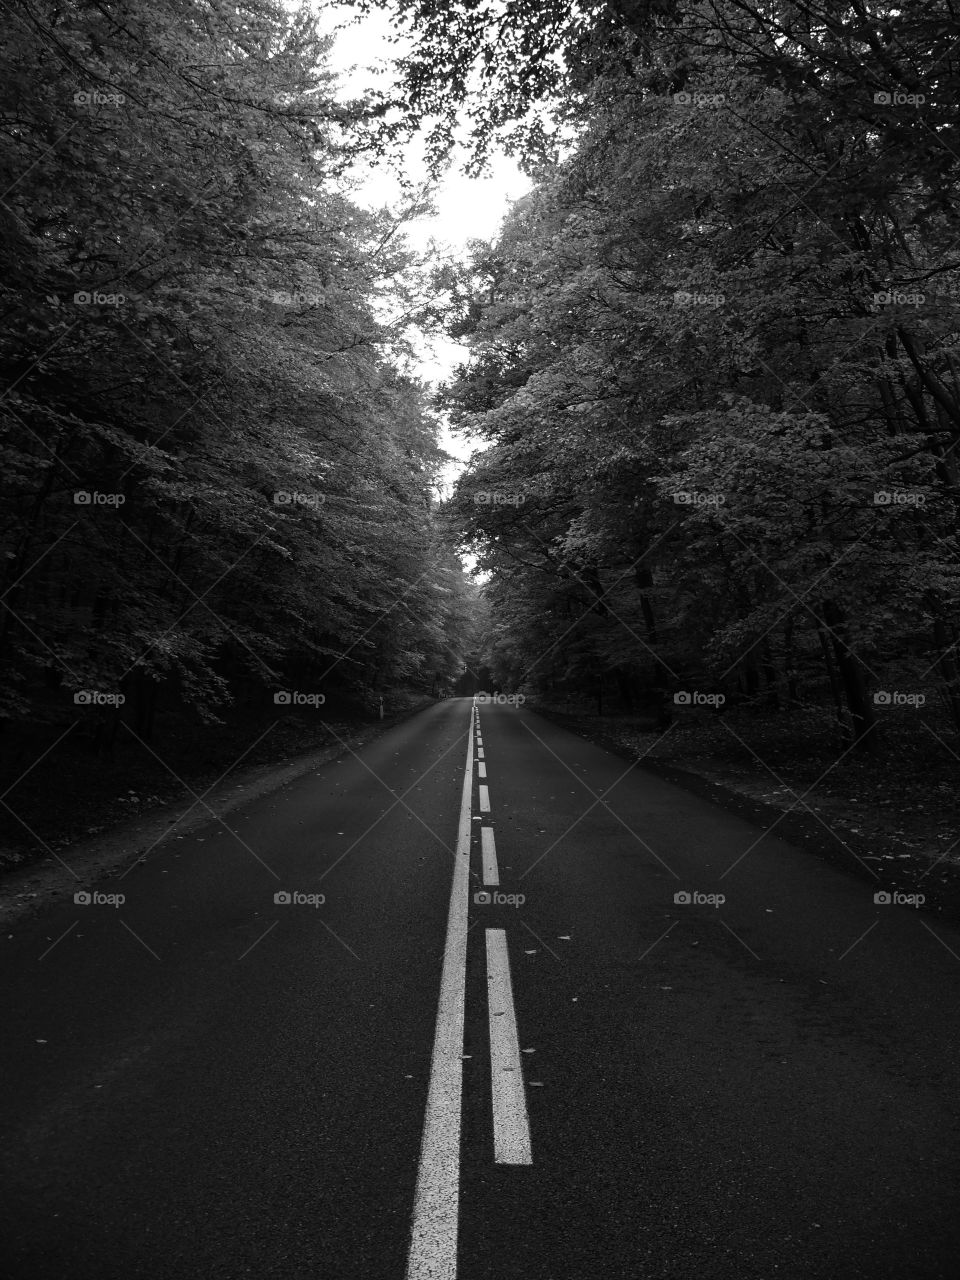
(467, 208)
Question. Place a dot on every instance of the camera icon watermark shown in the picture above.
(898, 99)
(294, 698)
(94, 298)
(293, 498)
(96, 698)
(494, 898)
(295, 898)
(94, 898)
(896, 698)
(694, 498)
(899, 498)
(698, 100)
(891, 298)
(88, 498)
(683, 298)
(96, 98)
(694, 698)
(693, 898)
(294, 298)
(886, 898)
(496, 498)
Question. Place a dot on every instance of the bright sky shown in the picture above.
(467, 208)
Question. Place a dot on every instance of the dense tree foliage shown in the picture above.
(715, 355)
(217, 466)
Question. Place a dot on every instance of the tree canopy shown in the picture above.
(715, 355)
(218, 465)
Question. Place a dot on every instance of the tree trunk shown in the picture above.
(835, 689)
(851, 674)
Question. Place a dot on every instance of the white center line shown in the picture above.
(433, 1240)
(491, 872)
(484, 798)
(511, 1128)
(481, 770)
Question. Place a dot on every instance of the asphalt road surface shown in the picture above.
(483, 1038)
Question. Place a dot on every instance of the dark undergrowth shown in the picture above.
(891, 816)
(60, 787)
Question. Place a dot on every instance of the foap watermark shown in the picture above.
(94, 898)
(698, 100)
(294, 698)
(694, 698)
(496, 498)
(296, 898)
(694, 898)
(96, 698)
(894, 898)
(494, 898)
(95, 298)
(696, 498)
(896, 698)
(503, 699)
(684, 299)
(899, 498)
(97, 98)
(93, 498)
(294, 298)
(897, 98)
(291, 498)
(893, 298)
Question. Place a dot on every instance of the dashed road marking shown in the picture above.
(511, 1126)
(491, 872)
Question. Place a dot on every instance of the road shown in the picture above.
(582, 1076)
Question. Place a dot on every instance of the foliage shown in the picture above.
(715, 355)
(216, 469)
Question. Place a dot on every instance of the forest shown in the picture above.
(219, 467)
(712, 366)
(714, 354)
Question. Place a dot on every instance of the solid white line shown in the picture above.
(484, 799)
(511, 1128)
(491, 872)
(481, 770)
(433, 1239)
